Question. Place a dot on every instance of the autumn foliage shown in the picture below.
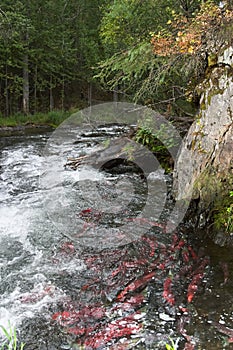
(188, 35)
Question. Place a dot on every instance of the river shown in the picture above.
(62, 290)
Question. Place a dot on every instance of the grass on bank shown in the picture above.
(173, 345)
(11, 342)
(53, 119)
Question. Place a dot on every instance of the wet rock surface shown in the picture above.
(204, 167)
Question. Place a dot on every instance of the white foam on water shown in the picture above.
(13, 222)
(26, 267)
(18, 305)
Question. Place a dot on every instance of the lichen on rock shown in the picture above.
(204, 167)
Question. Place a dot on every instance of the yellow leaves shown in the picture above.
(183, 42)
(162, 44)
(188, 42)
(229, 15)
(191, 49)
(186, 34)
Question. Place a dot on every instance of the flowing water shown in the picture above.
(67, 282)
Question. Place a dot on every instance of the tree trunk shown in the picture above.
(115, 94)
(35, 90)
(63, 94)
(89, 94)
(25, 85)
(6, 94)
(51, 99)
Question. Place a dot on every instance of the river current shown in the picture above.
(51, 287)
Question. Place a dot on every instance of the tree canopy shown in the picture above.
(52, 45)
(151, 52)
(159, 54)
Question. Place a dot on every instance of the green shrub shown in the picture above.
(153, 140)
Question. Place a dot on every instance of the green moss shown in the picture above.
(212, 59)
(201, 149)
(203, 106)
(223, 213)
(210, 85)
(209, 99)
(215, 191)
(197, 137)
(207, 186)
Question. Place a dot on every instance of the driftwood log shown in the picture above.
(118, 151)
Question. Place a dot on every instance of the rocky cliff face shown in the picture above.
(204, 169)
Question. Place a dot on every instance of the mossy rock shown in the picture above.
(216, 194)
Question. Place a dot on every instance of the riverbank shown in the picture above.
(28, 124)
(24, 129)
(51, 118)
